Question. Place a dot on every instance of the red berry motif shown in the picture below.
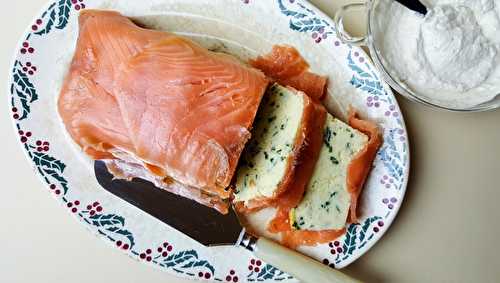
(26, 48)
(160, 251)
(319, 35)
(73, 205)
(94, 208)
(254, 265)
(146, 255)
(389, 202)
(78, 4)
(24, 135)
(327, 262)
(52, 186)
(37, 24)
(29, 68)
(335, 247)
(15, 115)
(231, 277)
(42, 146)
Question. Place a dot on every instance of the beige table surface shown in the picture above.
(448, 229)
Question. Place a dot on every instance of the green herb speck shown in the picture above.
(334, 160)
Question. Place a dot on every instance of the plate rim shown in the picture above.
(322, 15)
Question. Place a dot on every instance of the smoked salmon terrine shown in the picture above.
(158, 106)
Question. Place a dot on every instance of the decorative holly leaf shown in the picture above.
(64, 7)
(290, 13)
(181, 257)
(45, 160)
(350, 240)
(24, 104)
(299, 21)
(391, 159)
(55, 175)
(365, 80)
(353, 66)
(366, 225)
(50, 23)
(22, 83)
(101, 220)
(268, 272)
(199, 264)
(370, 86)
(123, 232)
(307, 24)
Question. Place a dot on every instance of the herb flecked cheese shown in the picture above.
(326, 201)
(264, 160)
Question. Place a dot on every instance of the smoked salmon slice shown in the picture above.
(360, 166)
(357, 171)
(156, 100)
(300, 148)
(285, 65)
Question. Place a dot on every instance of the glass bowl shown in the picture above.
(370, 41)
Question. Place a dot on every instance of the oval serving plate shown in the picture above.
(241, 27)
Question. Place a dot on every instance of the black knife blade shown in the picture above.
(195, 220)
(414, 5)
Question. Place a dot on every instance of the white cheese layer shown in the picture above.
(264, 160)
(326, 201)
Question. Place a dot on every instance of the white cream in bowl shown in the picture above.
(451, 56)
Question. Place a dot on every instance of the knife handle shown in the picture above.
(305, 269)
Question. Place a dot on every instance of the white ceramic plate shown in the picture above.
(244, 28)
